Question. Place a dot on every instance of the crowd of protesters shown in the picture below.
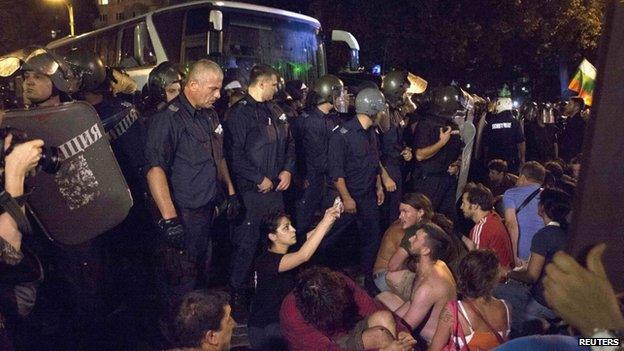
(266, 190)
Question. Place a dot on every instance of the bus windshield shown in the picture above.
(290, 47)
(249, 37)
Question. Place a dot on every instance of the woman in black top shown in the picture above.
(275, 274)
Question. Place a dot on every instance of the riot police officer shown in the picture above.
(262, 155)
(394, 151)
(185, 161)
(314, 128)
(48, 79)
(437, 146)
(164, 84)
(353, 159)
(118, 117)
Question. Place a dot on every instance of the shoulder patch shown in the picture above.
(343, 130)
(173, 108)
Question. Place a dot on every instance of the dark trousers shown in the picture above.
(181, 270)
(314, 197)
(440, 189)
(390, 207)
(246, 236)
(369, 234)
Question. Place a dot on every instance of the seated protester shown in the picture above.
(477, 319)
(555, 178)
(414, 208)
(275, 270)
(400, 278)
(554, 207)
(499, 180)
(203, 322)
(575, 167)
(489, 231)
(520, 202)
(329, 311)
(434, 284)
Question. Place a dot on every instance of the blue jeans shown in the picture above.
(518, 295)
(380, 281)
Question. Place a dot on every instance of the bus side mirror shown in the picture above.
(216, 19)
(354, 46)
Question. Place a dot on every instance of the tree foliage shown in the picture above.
(486, 42)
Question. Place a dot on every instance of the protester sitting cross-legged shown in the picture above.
(328, 311)
(433, 285)
(203, 322)
(275, 269)
(478, 319)
(554, 207)
(414, 208)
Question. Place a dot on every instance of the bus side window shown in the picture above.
(127, 57)
(144, 44)
(195, 34)
(106, 47)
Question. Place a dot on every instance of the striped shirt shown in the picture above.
(490, 233)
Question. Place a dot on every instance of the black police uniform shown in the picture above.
(314, 131)
(392, 144)
(571, 142)
(540, 142)
(353, 155)
(187, 144)
(259, 145)
(430, 177)
(501, 136)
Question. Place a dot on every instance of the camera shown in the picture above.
(50, 161)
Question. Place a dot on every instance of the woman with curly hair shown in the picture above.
(477, 320)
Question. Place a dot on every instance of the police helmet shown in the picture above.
(529, 111)
(446, 101)
(296, 89)
(58, 70)
(370, 102)
(89, 67)
(324, 88)
(394, 86)
(160, 77)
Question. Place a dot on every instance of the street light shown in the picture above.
(70, 10)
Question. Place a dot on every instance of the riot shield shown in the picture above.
(467, 132)
(88, 195)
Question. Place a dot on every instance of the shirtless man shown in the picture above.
(434, 285)
(414, 208)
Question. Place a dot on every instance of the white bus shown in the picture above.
(237, 35)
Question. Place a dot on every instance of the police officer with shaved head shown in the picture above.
(184, 166)
(353, 166)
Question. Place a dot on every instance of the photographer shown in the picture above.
(19, 161)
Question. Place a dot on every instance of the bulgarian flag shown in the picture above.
(584, 81)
